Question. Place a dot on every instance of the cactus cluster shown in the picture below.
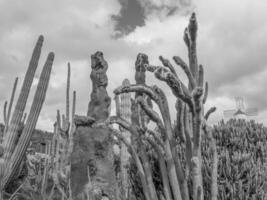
(17, 136)
(243, 159)
(181, 159)
(191, 123)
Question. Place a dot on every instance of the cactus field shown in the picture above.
(139, 151)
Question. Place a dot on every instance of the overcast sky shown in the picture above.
(232, 46)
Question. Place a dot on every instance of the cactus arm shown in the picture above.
(5, 113)
(197, 119)
(165, 179)
(206, 92)
(12, 99)
(151, 113)
(179, 106)
(68, 95)
(117, 103)
(158, 96)
(64, 122)
(155, 136)
(11, 136)
(191, 33)
(73, 104)
(35, 110)
(124, 124)
(177, 87)
(188, 149)
(186, 70)
(148, 171)
(136, 88)
(209, 112)
(170, 151)
(24, 118)
(58, 119)
(138, 162)
(72, 128)
(167, 63)
(200, 76)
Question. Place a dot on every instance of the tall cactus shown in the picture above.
(125, 113)
(15, 146)
(12, 133)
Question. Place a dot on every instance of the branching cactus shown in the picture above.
(15, 145)
(190, 120)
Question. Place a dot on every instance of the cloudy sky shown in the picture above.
(232, 46)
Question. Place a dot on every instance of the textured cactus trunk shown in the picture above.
(124, 111)
(93, 146)
(72, 127)
(142, 120)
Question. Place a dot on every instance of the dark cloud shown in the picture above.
(131, 15)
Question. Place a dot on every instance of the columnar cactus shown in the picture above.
(14, 145)
(123, 105)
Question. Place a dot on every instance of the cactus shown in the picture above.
(190, 123)
(15, 145)
(62, 143)
(123, 106)
(68, 95)
(11, 102)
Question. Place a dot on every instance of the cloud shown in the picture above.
(231, 46)
(131, 15)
